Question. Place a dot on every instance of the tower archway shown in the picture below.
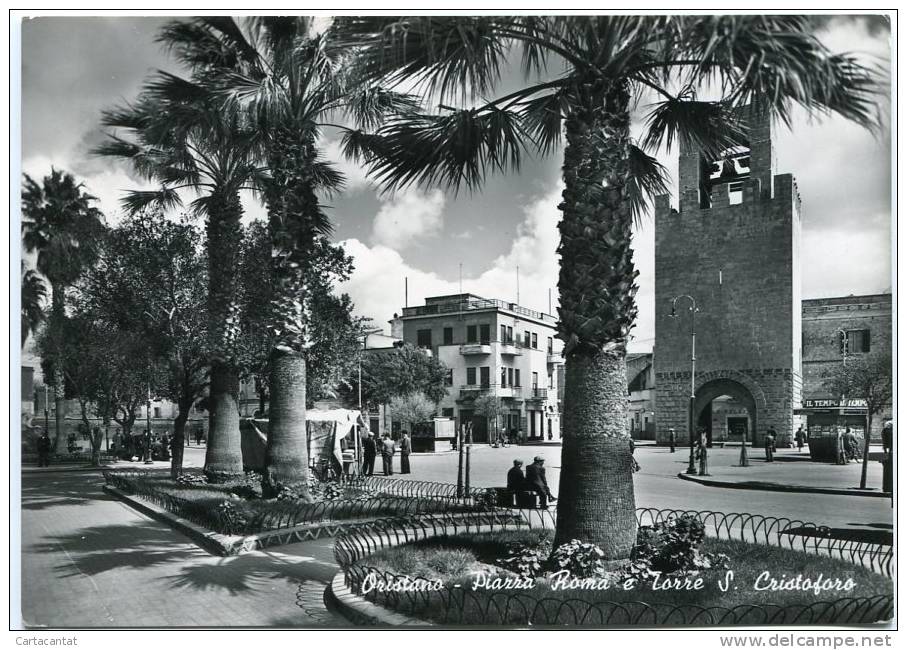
(726, 409)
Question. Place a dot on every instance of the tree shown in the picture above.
(398, 372)
(412, 410)
(490, 407)
(151, 281)
(33, 295)
(178, 138)
(61, 225)
(867, 377)
(334, 348)
(606, 66)
(287, 81)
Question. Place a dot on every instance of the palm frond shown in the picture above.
(777, 62)
(648, 179)
(451, 150)
(709, 126)
(164, 198)
(369, 106)
(327, 177)
(543, 118)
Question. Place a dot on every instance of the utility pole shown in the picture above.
(691, 469)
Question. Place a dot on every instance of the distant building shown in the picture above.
(491, 347)
(834, 330)
(641, 388)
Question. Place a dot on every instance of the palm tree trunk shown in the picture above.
(866, 438)
(179, 438)
(223, 456)
(596, 502)
(58, 313)
(292, 204)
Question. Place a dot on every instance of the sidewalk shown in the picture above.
(792, 471)
(91, 561)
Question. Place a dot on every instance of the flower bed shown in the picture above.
(469, 576)
(236, 508)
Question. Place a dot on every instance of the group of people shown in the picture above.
(387, 448)
(532, 481)
(848, 448)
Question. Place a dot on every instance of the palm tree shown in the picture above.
(177, 138)
(607, 65)
(287, 80)
(61, 225)
(33, 294)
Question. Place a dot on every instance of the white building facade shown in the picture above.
(492, 347)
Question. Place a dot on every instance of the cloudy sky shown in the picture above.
(72, 68)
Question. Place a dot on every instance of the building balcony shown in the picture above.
(471, 391)
(555, 358)
(511, 348)
(468, 349)
(537, 393)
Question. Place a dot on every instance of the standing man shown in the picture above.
(44, 450)
(672, 439)
(770, 445)
(388, 448)
(800, 438)
(405, 450)
(536, 482)
(369, 451)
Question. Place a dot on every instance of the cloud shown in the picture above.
(407, 217)
(354, 172)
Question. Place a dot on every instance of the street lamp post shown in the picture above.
(148, 460)
(691, 469)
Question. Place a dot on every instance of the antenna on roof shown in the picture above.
(518, 285)
(461, 277)
(406, 291)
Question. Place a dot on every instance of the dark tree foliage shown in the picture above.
(398, 372)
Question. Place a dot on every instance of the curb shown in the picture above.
(230, 545)
(360, 611)
(767, 487)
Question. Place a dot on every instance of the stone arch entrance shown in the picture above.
(743, 417)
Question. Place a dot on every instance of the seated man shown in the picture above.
(515, 479)
(536, 482)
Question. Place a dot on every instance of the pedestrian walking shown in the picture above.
(672, 439)
(388, 448)
(536, 481)
(800, 438)
(702, 453)
(850, 441)
(369, 452)
(770, 445)
(165, 446)
(406, 449)
(198, 436)
(44, 445)
(840, 449)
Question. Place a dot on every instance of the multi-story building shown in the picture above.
(491, 347)
(835, 330)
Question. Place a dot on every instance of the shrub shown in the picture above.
(581, 559)
(672, 546)
(527, 557)
(229, 518)
(191, 479)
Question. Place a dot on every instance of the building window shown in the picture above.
(485, 375)
(448, 380)
(735, 193)
(526, 338)
(510, 335)
(535, 341)
(535, 381)
(550, 380)
(157, 411)
(857, 341)
(423, 338)
(448, 336)
(485, 333)
(447, 413)
(510, 377)
(470, 376)
(471, 334)
(503, 377)
(517, 378)
(550, 345)
(503, 334)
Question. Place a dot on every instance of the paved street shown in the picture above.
(91, 561)
(657, 485)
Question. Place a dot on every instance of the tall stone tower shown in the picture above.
(733, 246)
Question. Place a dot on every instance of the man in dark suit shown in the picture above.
(44, 445)
(369, 452)
(406, 449)
(388, 449)
(515, 479)
(536, 482)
